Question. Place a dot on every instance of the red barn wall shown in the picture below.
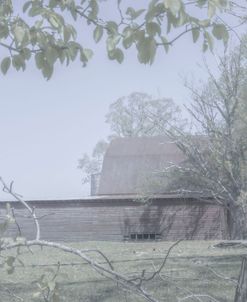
(114, 220)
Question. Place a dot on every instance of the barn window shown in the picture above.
(145, 236)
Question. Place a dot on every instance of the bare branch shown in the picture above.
(24, 203)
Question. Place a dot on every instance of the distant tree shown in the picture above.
(92, 165)
(47, 31)
(136, 115)
(139, 114)
(216, 162)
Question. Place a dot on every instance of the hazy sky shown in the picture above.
(47, 125)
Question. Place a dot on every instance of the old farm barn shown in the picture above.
(117, 210)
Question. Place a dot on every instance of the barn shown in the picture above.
(128, 202)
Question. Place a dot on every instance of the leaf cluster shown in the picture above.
(45, 30)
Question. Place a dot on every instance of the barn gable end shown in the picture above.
(130, 164)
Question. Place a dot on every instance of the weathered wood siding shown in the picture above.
(112, 220)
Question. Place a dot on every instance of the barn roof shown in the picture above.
(110, 200)
(132, 164)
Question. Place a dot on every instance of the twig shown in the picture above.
(9, 190)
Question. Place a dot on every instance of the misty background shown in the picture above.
(46, 126)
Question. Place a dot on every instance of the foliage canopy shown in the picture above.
(48, 30)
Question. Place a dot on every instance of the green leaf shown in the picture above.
(53, 3)
(222, 3)
(171, 20)
(128, 37)
(19, 34)
(47, 70)
(112, 42)
(73, 13)
(153, 28)
(39, 59)
(66, 34)
(72, 51)
(154, 9)
(204, 23)
(88, 53)
(116, 54)
(139, 35)
(72, 31)
(165, 44)
(127, 42)
(26, 53)
(112, 27)
(4, 30)
(5, 65)
(98, 33)
(94, 9)
(38, 23)
(35, 11)
(133, 13)
(183, 17)
(195, 34)
(62, 55)
(220, 32)
(54, 21)
(201, 3)
(18, 62)
(26, 6)
(51, 55)
(173, 5)
(211, 8)
(146, 50)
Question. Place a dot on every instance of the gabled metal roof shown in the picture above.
(131, 165)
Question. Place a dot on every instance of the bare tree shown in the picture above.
(216, 153)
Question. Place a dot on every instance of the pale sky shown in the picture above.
(47, 125)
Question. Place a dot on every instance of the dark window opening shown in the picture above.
(139, 236)
(146, 236)
(133, 236)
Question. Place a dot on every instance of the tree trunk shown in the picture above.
(241, 290)
(237, 223)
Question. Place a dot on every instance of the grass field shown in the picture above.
(193, 266)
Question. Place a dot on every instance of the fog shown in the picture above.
(46, 126)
